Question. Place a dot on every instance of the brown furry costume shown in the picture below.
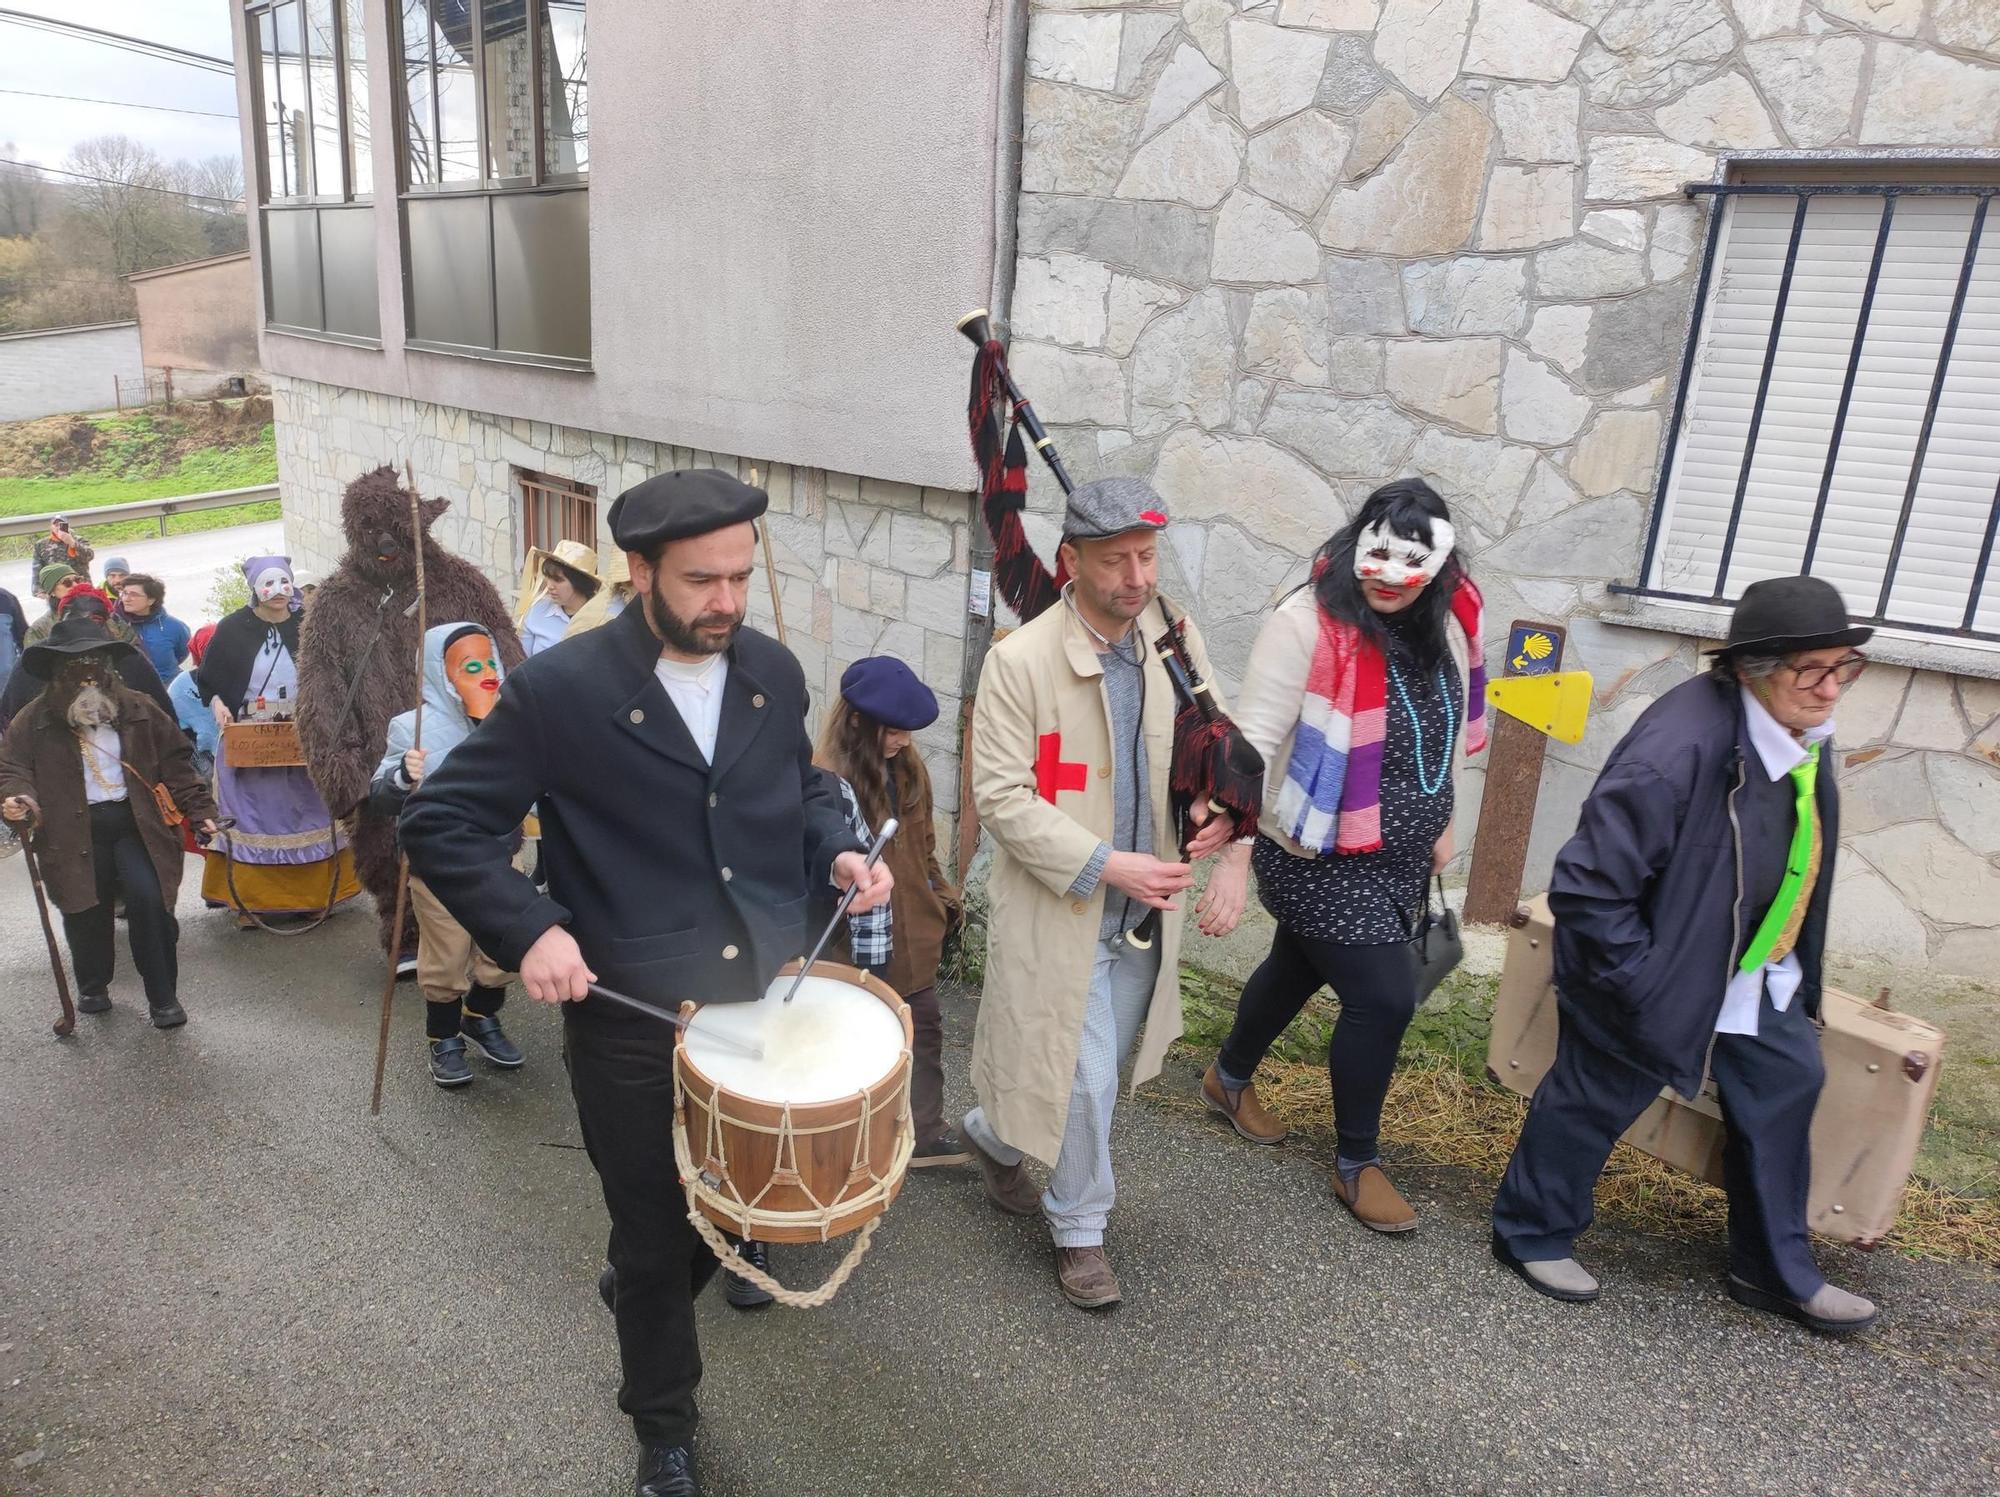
(336, 654)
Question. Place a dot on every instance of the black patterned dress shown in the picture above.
(1374, 898)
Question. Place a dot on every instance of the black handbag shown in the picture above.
(1436, 948)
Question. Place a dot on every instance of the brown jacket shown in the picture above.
(39, 757)
(925, 904)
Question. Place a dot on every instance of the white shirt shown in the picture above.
(696, 691)
(1779, 753)
(543, 625)
(100, 748)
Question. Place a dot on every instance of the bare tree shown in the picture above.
(23, 195)
(128, 201)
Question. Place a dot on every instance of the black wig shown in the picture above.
(1407, 507)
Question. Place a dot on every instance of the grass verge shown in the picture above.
(1442, 1110)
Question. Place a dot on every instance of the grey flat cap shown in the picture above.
(1112, 506)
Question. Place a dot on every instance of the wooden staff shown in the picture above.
(66, 1025)
(770, 565)
(403, 859)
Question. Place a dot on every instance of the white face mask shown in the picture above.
(272, 585)
(1392, 560)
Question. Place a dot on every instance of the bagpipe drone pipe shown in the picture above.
(1213, 764)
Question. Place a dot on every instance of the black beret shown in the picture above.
(889, 691)
(673, 506)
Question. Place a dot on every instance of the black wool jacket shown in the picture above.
(678, 880)
(1678, 853)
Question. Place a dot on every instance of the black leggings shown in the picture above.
(1377, 989)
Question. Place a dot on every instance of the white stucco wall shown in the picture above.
(66, 369)
(790, 206)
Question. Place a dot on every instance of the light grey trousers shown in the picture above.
(1081, 1191)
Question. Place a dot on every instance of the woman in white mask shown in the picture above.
(1366, 688)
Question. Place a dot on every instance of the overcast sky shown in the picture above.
(43, 130)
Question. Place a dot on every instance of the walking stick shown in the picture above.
(770, 565)
(67, 1023)
(403, 858)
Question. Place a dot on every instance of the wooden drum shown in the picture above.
(810, 1140)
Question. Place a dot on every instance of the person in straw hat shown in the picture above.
(81, 762)
(554, 587)
(1691, 911)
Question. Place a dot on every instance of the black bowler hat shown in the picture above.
(673, 506)
(889, 691)
(77, 634)
(1785, 615)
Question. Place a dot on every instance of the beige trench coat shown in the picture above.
(1041, 697)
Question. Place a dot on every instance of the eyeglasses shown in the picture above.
(1844, 671)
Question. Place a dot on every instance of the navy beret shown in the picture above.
(889, 691)
(673, 506)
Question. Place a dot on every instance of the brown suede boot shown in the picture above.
(1086, 1278)
(1007, 1185)
(1374, 1201)
(1245, 1112)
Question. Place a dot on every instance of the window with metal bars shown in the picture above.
(1839, 403)
(555, 509)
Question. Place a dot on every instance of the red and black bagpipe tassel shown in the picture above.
(996, 413)
(1213, 765)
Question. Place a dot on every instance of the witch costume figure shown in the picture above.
(284, 856)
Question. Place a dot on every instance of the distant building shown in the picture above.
(198, 325)
(52, 371)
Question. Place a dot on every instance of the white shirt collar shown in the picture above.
(1777, 750)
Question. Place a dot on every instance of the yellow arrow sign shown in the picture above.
(1557, 704)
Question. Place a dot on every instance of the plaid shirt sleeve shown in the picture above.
(871, 934)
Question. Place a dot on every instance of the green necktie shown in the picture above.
(1797, 861)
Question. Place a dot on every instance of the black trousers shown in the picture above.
(1768, 1084)
(123, 867)
(621, 1073)
(1377, 989)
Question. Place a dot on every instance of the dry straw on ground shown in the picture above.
(1437, 1114)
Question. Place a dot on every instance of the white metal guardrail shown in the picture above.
(141, 509)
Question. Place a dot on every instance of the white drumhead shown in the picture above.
(831, 1041)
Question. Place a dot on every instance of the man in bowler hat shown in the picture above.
(1691, 909)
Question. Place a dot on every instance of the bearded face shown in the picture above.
(82, 687)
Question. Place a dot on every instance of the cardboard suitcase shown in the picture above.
(1881, 1074)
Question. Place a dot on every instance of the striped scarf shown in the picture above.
(1331, 801)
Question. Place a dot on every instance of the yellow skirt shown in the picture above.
(277, 888)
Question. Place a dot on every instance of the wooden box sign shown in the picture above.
(262, 746)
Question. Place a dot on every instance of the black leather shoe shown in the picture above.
(168, 1016)
(607, 1287)
(739, 1291)
(484, 1034)
(93, 1003)
(448, 1064)
(665, 1471)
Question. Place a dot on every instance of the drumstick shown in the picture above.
(755, 1052)
(882, 837)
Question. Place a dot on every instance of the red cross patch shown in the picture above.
(1051, 773)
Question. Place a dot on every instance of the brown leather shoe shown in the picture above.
(1007, 1185)
(1086, 1278)
(1374, 1201)
(1245, 1113)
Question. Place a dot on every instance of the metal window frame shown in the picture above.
(535, 490)
(345, 192)
(1803, 192)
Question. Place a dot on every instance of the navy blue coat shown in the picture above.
(679, 880)
(1678, 853)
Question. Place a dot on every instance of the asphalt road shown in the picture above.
(186, 564)
(219, 1275)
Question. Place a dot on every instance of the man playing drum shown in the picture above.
(683, 828)
(1072, 735)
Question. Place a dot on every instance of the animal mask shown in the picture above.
(472, 665)
(1382, 556)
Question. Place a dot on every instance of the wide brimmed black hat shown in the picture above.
(77, 634)
(1784, 615)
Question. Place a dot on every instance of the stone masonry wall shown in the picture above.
(1272, 255)
(865, 566)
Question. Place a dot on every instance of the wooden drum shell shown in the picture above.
(803, 1172)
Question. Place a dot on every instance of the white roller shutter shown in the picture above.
(1955, 492)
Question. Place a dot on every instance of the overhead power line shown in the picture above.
(175, 192)
(120, 40)
(28, 93)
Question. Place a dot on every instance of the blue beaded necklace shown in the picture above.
(1425, 782)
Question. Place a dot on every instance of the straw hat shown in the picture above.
(574, 555)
